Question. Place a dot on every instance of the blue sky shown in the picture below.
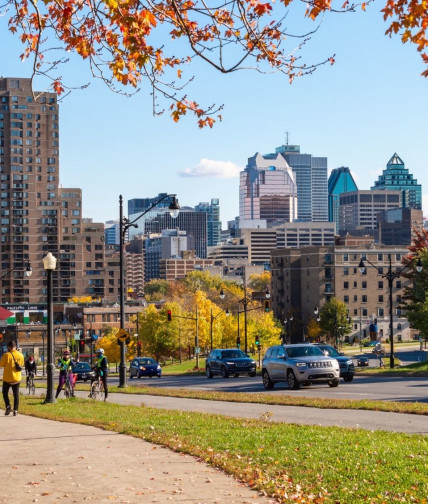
(357, 113)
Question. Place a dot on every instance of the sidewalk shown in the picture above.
(52, 462)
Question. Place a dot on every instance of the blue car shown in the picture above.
(144, 366)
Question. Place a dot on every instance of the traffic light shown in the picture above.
(139, 349)
(267, 305)
(238, 342)
(257, 340)
(81, 345)
(169, 315)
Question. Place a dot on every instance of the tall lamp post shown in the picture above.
(212, 318)
(287, 328)
(124, 225)
(315, 316)
(49, 264)
(391, 276)
(245, 301)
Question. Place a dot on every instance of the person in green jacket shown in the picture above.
(11, 376)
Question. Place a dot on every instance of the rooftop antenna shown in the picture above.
(286, 137)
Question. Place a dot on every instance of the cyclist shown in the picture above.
(30, 368)
(65, 364)
(101, 369)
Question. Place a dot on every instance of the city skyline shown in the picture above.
(356, 113)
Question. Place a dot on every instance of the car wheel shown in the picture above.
(252, 375)
(131, 376)
(159, 376)
(85, 380)
(268, 384)
(236, 375)
(293, 382)
(208, 372)
(224, 372)
(333, 383)
(348, 379)
(151, 376)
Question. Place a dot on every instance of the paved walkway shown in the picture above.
(51, 462)
(46, 461)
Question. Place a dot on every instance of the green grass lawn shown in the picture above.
(292, 463)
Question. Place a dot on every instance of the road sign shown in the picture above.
(122, 335)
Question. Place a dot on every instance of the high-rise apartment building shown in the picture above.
(311, 276)
(213, 220)
(340, 181)
(29, 171)
(267, 190)
(397, 176)
(311, 181)
(37, 215)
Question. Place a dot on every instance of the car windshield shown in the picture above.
(303, 351)
(146, 361)
(328, 350)
(82, 365)
(232, 354)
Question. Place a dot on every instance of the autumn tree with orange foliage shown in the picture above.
(145, 42)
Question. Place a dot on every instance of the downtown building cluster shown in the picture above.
(309, 228)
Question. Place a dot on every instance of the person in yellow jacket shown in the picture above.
(11, 377)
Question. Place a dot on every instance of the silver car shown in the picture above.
(297, 365)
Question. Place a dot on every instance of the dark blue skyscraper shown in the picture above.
(340, 181)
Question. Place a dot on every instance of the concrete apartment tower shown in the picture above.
(37, 215)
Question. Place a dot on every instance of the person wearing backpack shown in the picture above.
(12, 361)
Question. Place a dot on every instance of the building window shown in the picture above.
(364, 298)
(345, 271)
(380, 284)
(346, 299)
(364, 285)
(380, 298)
(346, 285)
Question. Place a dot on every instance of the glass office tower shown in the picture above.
(397, 176)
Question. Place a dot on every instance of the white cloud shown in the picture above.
(212, 169)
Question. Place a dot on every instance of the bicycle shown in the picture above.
(68, 388)
(30, 384)
(97, 389)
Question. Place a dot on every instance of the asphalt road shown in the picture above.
(362, 387)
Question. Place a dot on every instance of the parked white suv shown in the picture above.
(298, 364)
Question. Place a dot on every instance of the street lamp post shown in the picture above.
(314, 316)
(49, 264)
(245, 301)
(390, 277)
(124, 225)
(287, 328)
(212, 318)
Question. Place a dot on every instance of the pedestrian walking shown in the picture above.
(12, 361)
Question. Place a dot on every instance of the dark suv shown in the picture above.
(347, 368)
(229, 361)
(297, 365)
